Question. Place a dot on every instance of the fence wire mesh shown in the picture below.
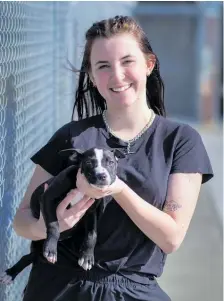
(36, 96)
(32, 93)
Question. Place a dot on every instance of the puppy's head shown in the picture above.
(99, 166)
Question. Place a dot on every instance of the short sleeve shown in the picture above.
(190, 155)
(48, 156)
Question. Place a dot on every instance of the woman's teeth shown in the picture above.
(121, 89)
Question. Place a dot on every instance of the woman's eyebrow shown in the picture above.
(106, 62)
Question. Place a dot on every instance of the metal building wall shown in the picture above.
(172, 31)
(179, 34)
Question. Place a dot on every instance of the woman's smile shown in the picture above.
(121, 89)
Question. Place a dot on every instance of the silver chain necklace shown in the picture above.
(129, 142)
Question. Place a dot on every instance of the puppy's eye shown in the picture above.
(88, 163)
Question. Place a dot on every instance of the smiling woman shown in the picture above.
(120, 105)
(117, 55)
(121, 77)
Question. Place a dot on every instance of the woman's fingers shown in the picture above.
(45, 186)
(79, 209)
(62, 210)
(72, 217)
(67, 200)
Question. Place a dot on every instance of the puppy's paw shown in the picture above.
(86, 261)
(50, 250)
(5, 278)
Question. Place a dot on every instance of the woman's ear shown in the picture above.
(150, 62)
(92, 79)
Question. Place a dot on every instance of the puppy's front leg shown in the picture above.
(50, 217)
(55, 193)
(86, 257)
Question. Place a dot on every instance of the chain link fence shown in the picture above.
(32, 94)
(36, 96)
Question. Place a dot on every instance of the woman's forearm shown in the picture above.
(26, 225)
(154, 223)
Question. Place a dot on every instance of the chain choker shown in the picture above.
(129, 142)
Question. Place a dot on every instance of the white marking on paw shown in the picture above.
(85, 265)
(89, 266)
(81, 261)
(5, 278)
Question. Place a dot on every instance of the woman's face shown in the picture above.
(119, 70)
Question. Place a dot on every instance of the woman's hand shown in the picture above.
(67, 218)
(97, 193)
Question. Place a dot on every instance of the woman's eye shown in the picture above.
(103, 66)
(128, 62)
(111, 162)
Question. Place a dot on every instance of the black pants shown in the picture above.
(47, 283)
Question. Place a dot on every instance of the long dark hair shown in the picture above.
(88, 100)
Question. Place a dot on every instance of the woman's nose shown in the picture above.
(118, 73)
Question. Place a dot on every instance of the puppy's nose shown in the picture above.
(102, 176)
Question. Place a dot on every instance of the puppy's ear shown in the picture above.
(72, 154)
(119, 154)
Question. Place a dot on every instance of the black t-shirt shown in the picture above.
(166, 147)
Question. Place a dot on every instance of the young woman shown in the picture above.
(119, 102)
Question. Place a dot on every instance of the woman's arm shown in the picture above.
(166, 228)
(24, 223)
(27, 226)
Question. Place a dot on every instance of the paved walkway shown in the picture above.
(194, 271)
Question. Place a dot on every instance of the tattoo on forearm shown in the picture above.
(171, 205)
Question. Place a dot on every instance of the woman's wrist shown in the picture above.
(120, 186)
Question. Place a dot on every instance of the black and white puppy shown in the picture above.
(99, 166)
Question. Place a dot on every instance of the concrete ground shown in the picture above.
(194, 272)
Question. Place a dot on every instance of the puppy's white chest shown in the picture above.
(77, 198)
